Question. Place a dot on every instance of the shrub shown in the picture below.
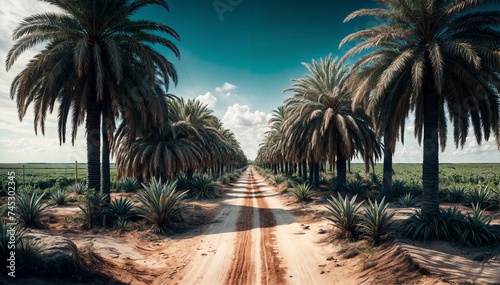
(160, 204)
(290, 183)
(182, 181)
(407, 200)
(92, 208)
(479, 196)
(78, 187)
(129, 185)
(278, 179)
(323, 179)
(224, 179)
(375, 220)
(477, 229)
(456, 194)
(122, 224)
(356, 187)
(398, 188)
(121, 208)
(445, 226)
(59, 196)
(345, 215)
(302, 192)
(30, 208)
(203, 186)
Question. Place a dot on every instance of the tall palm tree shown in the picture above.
(96, 58)
(320, 113)
(438, 59)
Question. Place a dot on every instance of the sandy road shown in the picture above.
(254, 240)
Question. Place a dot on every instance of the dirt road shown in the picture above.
(255, 241)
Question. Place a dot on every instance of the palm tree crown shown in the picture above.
(436, 59)
(96, 60)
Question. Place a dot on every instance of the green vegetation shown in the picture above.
(30, 208)
(202, 186)
(345, 215)
(59, 196)
(375, 221)
(302, 192)
(92, 208)
(161, 204)
(128, 184)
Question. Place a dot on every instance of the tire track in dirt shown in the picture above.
(242, 268)
(272, 273)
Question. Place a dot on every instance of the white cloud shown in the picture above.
(248, 127)
(207, 99)
(226, 89)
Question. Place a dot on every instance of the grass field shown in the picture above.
(50, 175)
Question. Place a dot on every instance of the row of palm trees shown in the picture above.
(438, 60)
(99, 65)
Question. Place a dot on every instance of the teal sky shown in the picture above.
(237, 56)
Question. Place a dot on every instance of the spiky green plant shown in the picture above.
(375, 221)
(59, 196)
(122, 208)
(30, 208)
(278, 179)
(203, 187)
(345, 215)
(477, 229)
(122, 224)
(92, 207)
(481, 196)
(182, 181)
(456, 194)
(224, 179)
(302, 192)
(129, 184)
(356, 187)
(161, 204)
(399, 188)
(289, 182)
(78, 187)
(407, 200)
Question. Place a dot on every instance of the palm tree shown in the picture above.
(436, 59)
(96, 60)
(320, 113)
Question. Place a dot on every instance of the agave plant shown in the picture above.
(375, 220)
(92, 207)
(456, 194)
(399, 188)
(480, 196)
(224, 179)
(122, 224)
(278, 179)
(302, 192)
(121, 208)
(59, 196)
(129, 184)
(356, 187)
(477, 229)
(78, 187)
(30, 208)
(203, 186)
(407, 200)
(345, 215)
(161, 204)
(182, 181)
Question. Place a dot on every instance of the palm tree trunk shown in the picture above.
(341, 170)
(387, 176)
(316, 174)
(304, 170)
(93, 126)
(430, 166)
(311, 173)
(106, 176)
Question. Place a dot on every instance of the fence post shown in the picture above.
(76, 171)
